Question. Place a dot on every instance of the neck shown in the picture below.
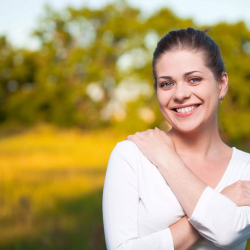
(201, 143)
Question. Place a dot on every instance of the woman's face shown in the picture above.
(187, 91)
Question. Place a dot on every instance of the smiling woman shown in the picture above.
(182, 189)
(187, 89)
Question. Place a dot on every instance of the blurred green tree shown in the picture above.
(93, 70)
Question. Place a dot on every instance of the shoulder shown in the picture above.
(125, 153)
(243, 163)
(243, 156)
(126, 149)
(126, 145)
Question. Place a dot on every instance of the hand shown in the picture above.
(190, 235)
(238, 192)
(155, 144)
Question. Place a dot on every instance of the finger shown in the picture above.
(131, 137)
(247, 195)
(150, 131)
(245, 202)
(139, 135)
(246, 185)
(239, 184)
(161, 131)
(134, 138)
(247, 191)
(127, 138)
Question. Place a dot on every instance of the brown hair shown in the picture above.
(193, 40)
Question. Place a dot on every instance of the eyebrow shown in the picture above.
(185, 75)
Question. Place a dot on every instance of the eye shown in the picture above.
(166, 84)
(195, 79)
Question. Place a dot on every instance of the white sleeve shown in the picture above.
(120, 205)
(220, 220)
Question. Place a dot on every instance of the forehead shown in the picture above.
(179, 62)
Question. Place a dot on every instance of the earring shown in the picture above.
(222, 98)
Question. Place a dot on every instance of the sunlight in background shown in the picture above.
(18, 18)
(80, 85)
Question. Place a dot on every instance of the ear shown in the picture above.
(223, 85)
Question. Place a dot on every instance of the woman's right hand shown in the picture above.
(238, 192)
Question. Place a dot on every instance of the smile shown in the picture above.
(187, 109)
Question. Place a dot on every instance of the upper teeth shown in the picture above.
(187, 109)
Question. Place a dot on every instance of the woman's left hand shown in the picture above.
(155, 144)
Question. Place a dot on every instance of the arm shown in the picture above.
(120, 208)
(220, 220)
(159, 148)
(216, 217)
(184, 234)
(179, 178)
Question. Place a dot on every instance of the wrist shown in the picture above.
(184, 234)
(169, 161)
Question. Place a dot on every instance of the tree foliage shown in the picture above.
(93, 70)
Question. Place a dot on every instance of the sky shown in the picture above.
(18, 18)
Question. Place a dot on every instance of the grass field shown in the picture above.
(51, 188)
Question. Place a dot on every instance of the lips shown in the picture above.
(186, 110)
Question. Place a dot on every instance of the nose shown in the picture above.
(181, 93)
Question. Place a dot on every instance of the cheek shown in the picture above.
(208, 92)
(211, 100)
(163, 97)
(159, 97)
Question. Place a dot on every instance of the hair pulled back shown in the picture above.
(192, 40)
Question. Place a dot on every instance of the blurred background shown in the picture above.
(75, 79)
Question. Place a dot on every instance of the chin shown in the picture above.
(187, 129)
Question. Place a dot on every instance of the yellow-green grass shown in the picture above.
(51, 188)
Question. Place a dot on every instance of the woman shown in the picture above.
(184, 189)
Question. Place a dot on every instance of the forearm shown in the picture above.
(184, 234)
(186, 186)
(214, 216)
(220, 220)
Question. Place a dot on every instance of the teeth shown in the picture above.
(187, 109)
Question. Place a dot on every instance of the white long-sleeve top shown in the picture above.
(139, 206)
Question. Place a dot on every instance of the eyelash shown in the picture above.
(163, 83)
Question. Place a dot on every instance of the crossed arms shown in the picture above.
(120, 204)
